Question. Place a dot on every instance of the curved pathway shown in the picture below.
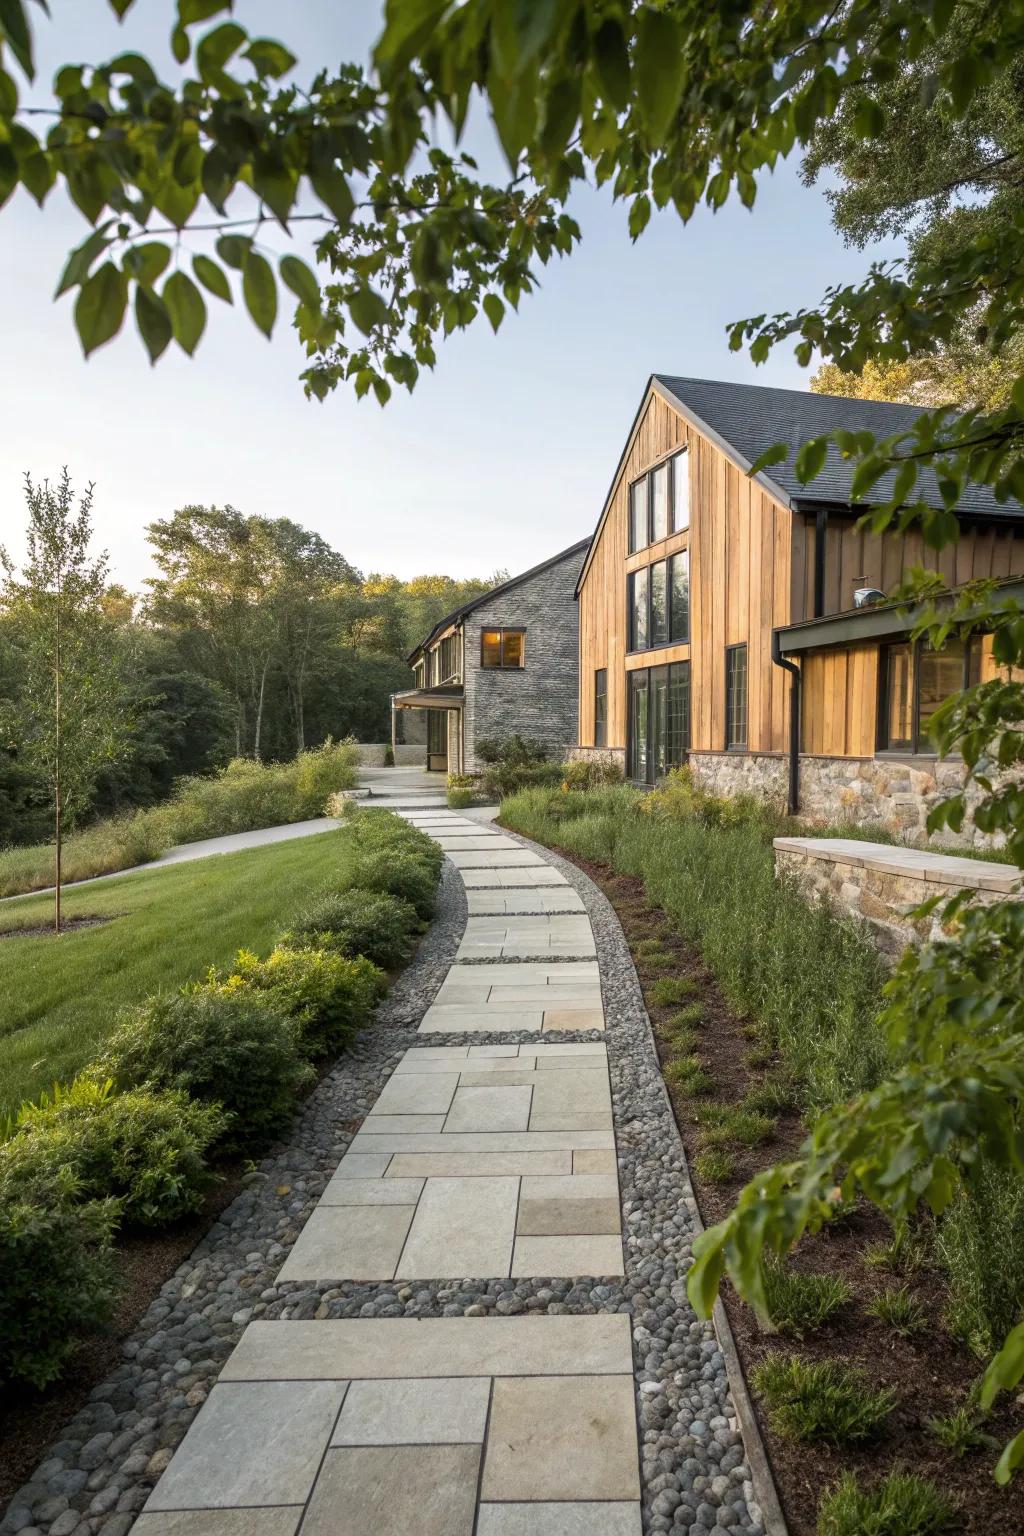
(506, 1121)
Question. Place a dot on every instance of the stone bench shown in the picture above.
(881, 884)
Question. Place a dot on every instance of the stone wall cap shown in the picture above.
(912, 863)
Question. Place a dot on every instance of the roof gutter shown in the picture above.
(793, 797)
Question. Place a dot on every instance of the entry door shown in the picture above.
(437, 740)
(648, 725)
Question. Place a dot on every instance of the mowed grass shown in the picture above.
(167, 926)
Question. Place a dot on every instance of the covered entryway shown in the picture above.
(443, 706)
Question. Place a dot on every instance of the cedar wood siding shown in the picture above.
(740, 581)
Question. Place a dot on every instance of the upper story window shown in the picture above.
(601, 707)
(503, 648)
(659, 502)
(659, 603)
(449, 652)
(913, 681)
(735, 696)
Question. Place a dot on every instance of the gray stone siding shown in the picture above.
(598, 755)
(894, 793)
(541, 699)
(880, 885)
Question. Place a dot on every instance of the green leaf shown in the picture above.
(297, 276)
(659, 70)
(810, 460)
(153, 321)
(100, 307)
(611, 60)
(869, 118)
(494, 309)
(274, 183)
(180, 46)
(260, 292)
(1018, 395)
(187, 309)
(81, 260)
(9, 172)
(333, 190)
(213, 52)
(367, 309)
(147, 262)
(639, 215)
(191, 11)
(1011, 1459)
(212, 278)
(269, 58)
(778, 453)
(233, 250)
(15, 31)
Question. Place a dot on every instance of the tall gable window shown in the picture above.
(639, 610)
(601, 707)
(449, 649)
(503, 648)
(659, 502)
(658, 596)
(736, 697)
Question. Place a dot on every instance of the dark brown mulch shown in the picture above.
(32, 1421)
(68, 924)
(930, 1371)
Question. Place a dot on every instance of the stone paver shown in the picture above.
(482, 1159)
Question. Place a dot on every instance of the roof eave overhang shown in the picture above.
(881, 622)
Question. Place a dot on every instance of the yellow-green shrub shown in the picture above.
(327, 995)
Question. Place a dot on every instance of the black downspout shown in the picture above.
(793, 802)
(820, 526)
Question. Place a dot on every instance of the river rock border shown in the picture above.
(696, 1475)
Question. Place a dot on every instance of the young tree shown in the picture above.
(70, 717)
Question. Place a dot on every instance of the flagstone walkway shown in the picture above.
(477, 1159)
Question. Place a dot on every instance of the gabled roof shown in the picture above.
(744, 419)
(751, 417)
(505, 586)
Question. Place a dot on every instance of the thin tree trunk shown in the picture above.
(57, 862)
(56, 777)
(259, 711)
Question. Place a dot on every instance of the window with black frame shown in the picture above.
(659, 502)
(504, 648)
(658, 596)
(659, 720)
(601, 707)
(913, 681)
(735, 697)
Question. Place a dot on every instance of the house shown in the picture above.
(503, 663)
(719, 617)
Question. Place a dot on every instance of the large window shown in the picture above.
(659, 603)
(601, 707)
(659, 720)
(449, 649)
(913, 681)
(503, 648)
(736, 696)
(659, 502)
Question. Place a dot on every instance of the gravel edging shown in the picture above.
(695, 1476)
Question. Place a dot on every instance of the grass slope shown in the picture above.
(167, 927)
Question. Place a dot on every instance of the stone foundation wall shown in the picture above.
(597, 755)
(764, 774)
(880, 885)
(408, 755)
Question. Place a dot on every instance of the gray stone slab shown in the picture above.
(568, 1217)
(552, 1438)
(469, 1165)
(439, 1411)
(501, 858)
(460, 1018)
(491, 1052)
(474, 842)
(410, 1094)
(510, 903)
(567, 1256)
(594, 1162)
(392, 1490)
(383, 1123)
(494, 1107)
(253, 1443)
(342, 1242)
(461, 1227)
(362, 1165)
(375, 1349)
(511, 879)
(563, 1053)
(220, 1522)
(383, 1191)
(561, 1519)
(483, 1141)
(556, 1019)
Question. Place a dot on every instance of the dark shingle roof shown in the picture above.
(751, 417)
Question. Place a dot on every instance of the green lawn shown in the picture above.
(167, 927)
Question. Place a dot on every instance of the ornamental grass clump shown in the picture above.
(900, 1505)
(144, 1149)
(327, 996)
(820, 1400)
(357, 922)
(798, 1303)
(233, 1048)
(899, 1309)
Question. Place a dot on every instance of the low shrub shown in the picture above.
(980, 1243)
(327, 995)
(679, 798)
(399, 874)
(144, 1149)
(389, 757)
(798, 1303)
(715, 1165)
(58, 1284)
(820, 1400)
(500, 780)
(901, 1311)
(513, 749)
(591, 773)
(391, 855)
(900, 1505)
(905, 1252)
(960, 1432)
(462, 790)
(357, 922)
(235, 1049)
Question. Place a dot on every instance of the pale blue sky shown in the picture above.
(499, 458)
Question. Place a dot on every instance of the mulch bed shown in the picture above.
(68, 924)
(31, 1421)
(931, 1371)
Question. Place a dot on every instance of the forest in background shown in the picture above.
(254, 638)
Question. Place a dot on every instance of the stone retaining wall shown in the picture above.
(880, 884)
(407, 755)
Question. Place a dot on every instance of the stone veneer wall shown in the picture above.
(879, 884)
(598, 755)
(541, 699)
(894, 793)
